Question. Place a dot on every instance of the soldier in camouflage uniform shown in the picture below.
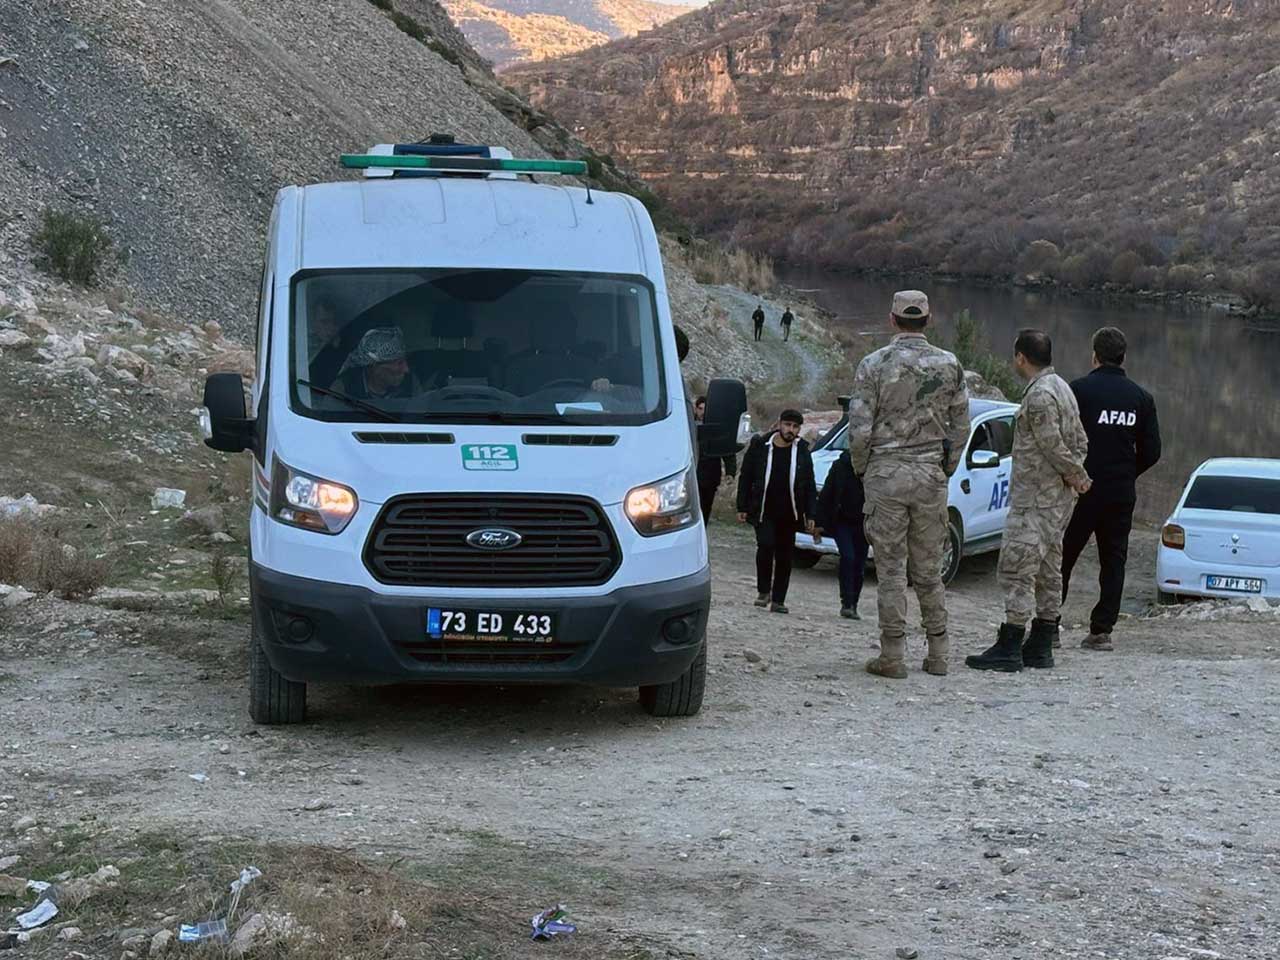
(908, 424)
(1049, 446)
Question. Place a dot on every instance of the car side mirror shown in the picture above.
(718, 434)
(224, 421)
(984, 460)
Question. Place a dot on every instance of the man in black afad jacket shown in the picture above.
(777, 496)
(1124, 442)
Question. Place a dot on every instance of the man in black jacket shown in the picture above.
(757, 321)
(777, 496)
(840, 516)
(1124, 442)
(711, 469)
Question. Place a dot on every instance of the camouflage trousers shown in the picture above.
(1030, 568)
(906, 523)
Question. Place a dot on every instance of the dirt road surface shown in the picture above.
(1119, 806)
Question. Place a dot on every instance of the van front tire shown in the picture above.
(682, 697)
(273, 698)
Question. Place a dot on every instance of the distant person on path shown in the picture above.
(1049, 447)
(840, 506)
(778, 497)
(711, 469)
(908, 425)
(1120, 421)
(757, 321)
(787, 319)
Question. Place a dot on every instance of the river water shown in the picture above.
(1215, 377)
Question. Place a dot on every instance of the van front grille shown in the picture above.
(421, 541)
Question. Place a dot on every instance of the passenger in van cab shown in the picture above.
(378, 367)
(324, 343)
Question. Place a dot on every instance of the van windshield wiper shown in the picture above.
(386, 415)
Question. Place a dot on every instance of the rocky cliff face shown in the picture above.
(898, 133)
(511, 31)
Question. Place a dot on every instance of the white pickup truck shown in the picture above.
(978, 499)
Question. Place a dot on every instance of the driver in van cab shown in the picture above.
(378, 367)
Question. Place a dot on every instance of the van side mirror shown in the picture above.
(226, 426)
(718, 432)
(983, 459)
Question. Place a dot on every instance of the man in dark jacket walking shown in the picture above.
(777, 496)
(840, 516)
(1124, 442)
(711, 469)
(787, 319)
(757, 321)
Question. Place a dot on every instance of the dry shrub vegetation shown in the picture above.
(715, 264)
(36, 556)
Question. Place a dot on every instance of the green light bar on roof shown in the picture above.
(362, 161)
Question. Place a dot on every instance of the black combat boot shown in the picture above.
(1005, 655)
(1038, 651)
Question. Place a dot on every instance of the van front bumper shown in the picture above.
(316, 631)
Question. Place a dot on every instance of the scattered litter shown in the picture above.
(199, 777)
(38, 886)
(398, 922)
(167, 497)
(247, 876)
(552, 922)
(40, 914)
(212, 930)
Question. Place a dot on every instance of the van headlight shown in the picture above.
(302, 500)
(663, 506)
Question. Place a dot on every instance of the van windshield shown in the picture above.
(434, 346)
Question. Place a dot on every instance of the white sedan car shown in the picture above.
(1223, 539)
(978, 499)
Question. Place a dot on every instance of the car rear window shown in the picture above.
(1238, 494)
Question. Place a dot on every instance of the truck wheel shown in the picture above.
(273, 699)
(682, 697)
(805, 559)
(953, 552)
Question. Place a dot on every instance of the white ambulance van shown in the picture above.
(474, 460)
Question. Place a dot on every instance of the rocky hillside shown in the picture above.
(510, 31)
(1138, 142)
(176, 123)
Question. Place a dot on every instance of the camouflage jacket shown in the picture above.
(909, 401)
(1049, 444)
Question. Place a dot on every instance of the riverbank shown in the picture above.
(1221, 300)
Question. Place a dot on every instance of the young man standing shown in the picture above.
(778, 497)
(1049, 447)
(757, 321)
(1124, 442)
(840, 506)
(787, 318)
(710, 469)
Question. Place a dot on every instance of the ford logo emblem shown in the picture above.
(494, 538)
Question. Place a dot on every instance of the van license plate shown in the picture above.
(490, 626)
(1235, 584)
